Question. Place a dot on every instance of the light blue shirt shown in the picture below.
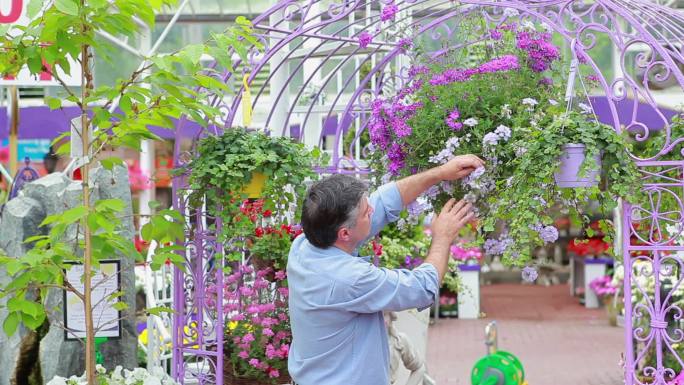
(336, 303)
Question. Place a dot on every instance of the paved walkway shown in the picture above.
(558, 341)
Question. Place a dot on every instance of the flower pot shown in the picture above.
(255, 186)
(571, 162)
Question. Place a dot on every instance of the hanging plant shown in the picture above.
(498, 98)
(226, 164)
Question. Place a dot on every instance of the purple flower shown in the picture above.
(388, 12)
(502, 64)
(452, 120)
(490, 139)
(529, 274)
(404, 44)
(365, 38)
(540, 52)
(546, 82)
(396, 156)
(415, 70)
(432, 192)
(593, 78)
(549, 234)
(495, 34)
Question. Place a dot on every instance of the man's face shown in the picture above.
(363, 221)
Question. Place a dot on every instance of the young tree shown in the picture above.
(164, 88)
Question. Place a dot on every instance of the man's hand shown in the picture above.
(445, 228)
(460, 167)
(448, 223)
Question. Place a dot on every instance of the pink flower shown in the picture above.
(249, 337)
(236, 340)
(238, 317)
(268, 332)
(284, 291)
(280, 275)
(253, 309)
(283, 317)
(246, 291)
(254, 362)
(243, 354)
(273, 373)
(365, 38)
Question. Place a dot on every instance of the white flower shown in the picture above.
(528, 25)
(100, 369)
(546, 27)
(57, 380)
(511, 12)
(151, 380)
(471, 122)
(503, 132)
(553, 102)
(586, 109)
(530, 102)
(490, 139)
(452, 143)
(520, 151)
(506, 111)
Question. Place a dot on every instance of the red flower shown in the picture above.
(377, 248)
(259, 232)
(267, 213)
(298, 233)
(253, 217)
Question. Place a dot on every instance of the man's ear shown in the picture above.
(343, 234)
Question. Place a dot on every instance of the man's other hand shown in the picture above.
(448, 223)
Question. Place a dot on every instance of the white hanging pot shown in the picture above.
(572, 158)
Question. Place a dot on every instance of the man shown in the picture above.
(336, 298)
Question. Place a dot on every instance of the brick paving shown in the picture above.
(558, 341)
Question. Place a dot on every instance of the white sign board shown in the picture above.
(14, 12)
(106, 281)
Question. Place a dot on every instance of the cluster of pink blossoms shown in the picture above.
(258, 332)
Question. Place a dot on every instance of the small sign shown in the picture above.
(105, 281)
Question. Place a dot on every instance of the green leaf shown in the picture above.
(73, 215)
(120, 306)
(109, 163)
(159, 310)
(194, 52)
(53, 103)
(70, 7)
(11, 323)
(110, 204)
(33, 8)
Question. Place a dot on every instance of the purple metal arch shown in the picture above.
(649, 42)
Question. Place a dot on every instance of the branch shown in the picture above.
(72, 332)
(67, 88)
(127, 83)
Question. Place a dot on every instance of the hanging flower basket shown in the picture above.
(572, 159)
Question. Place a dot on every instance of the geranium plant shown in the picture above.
(506, 109)
(257, 336)
(225, 164)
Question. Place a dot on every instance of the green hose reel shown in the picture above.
(497, 367)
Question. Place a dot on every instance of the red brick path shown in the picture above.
(558, 341)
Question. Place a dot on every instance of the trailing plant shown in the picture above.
(498, 98)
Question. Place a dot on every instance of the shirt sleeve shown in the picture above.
(387, 206)
(377, 289)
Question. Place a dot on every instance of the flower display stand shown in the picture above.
(593, 268)
(469, 297)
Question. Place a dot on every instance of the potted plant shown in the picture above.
(223, 169)
(499, 99)
(257, 336)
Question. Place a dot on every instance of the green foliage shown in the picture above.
(225, 164)
(513, 117)
(162, 89)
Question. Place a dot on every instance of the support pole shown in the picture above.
(14, 131)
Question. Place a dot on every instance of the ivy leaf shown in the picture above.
(70, 7)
